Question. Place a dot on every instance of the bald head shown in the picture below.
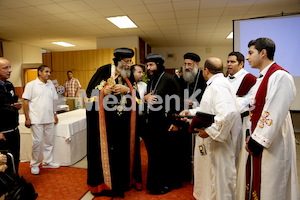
(214, 65)
(5, 69)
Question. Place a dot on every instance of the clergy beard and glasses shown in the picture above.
(113, 153)
(123, 70)
(189, 75)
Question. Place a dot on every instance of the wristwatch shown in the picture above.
(54, 113)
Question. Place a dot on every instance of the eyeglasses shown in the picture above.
(188, 64)
(128, 62)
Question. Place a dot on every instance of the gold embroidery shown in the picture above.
(111, 81)
(138, 100)
(254, 194)
(90, 100)
(265, 120)
(221, 124)
(101, 85)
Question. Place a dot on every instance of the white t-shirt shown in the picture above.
(41, 97)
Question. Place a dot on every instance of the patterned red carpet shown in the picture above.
(69, 183)
(64, 183)
(184, 193)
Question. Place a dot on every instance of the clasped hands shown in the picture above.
(3, 161)
(116, 89)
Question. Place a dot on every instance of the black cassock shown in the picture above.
(186, 137)
(118, 143)
(162, 145)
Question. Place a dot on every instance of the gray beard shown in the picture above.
(124, 72)
(190, 76)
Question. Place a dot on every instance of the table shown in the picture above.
(69, 138)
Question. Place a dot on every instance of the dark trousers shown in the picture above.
(12, 144)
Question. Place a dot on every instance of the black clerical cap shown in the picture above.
(121, 53)
(157, 58)
(192, 56)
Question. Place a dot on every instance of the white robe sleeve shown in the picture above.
(224, 107)
(280, 94)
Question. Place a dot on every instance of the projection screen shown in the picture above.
(284, 31)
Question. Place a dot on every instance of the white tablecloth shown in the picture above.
(69, 138)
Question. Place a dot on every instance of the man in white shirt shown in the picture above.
(273, 168)
(215, 169)
(39, 109)
(137, 72)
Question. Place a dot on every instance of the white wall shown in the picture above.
(118, 42)
(19, 54)
(204, 52)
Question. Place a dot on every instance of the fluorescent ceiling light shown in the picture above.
(230, 36)
(122, 22)
(64, 44)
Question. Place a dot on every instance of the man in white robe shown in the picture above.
(242, 83)
(215, 173)
(272, 135)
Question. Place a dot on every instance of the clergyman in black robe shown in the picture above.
(191, 83)
(162, 153)
(113, 148)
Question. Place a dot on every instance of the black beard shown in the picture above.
(155, 74)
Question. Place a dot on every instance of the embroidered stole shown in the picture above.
(104, 144)
(255, 115)
(247, 83)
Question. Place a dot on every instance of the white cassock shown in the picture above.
(215, 173)
(244, 103)
(275, 133)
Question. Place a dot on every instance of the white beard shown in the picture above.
(189, 76)
(124, 72)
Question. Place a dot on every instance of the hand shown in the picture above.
(17, 105)
(55, 119)
(189, 103)
(120, 89)
(146, 97)
(2, 137)
(107, 90)
(184, 113)
(3, 159)
(246, 147)
(150, 98)
(202, 133)
(173, 128)
(28, 123)
(3, 168)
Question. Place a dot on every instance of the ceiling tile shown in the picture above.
(37, 2)
(163, 15)
(89, 14)
(13, 3)
(100, 4)
(160, 7)
(111, 12)
(187, 21)
(136, 9)
(186, 5)
(75, 6)
(187, 14)
(53, 8)
(67, 16)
